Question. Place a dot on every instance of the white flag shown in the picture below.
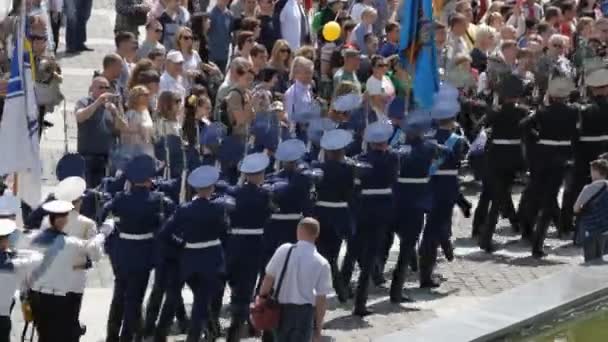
(19, 145)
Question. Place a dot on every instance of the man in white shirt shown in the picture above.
(305, 285)
(172, 79)
(293, 23)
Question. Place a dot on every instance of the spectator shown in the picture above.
(280, 59)
(261, 96)
(78, 13)
(590, 201)
(192, 61)
(464, 8)
(151, 80)
(158, 59)
(533, 10)
(268, 32)
(457, 37)
(589, 8)
(112, 68)
(357, 10)
(196, 119)
(484, 44)
(306, 283)
(239, 108)
(379, 87)
(568, 24)
(231, 77)
(154, 33)
(220, 34)
(601, 29)
(130, 14)
(332, 11)
(244, 44)
(399, 76)
(553, 16)
(172, 79)
(496, 20)
(200, 27)
(136, 128)
(95, 122)
(294, 24)
(390, 46)
(251, 24)
(259, 57)
(243, 8)
(357, 37)
(173, 17)
(141, 66)
(126, 48)
(299, 96)
(348, 72)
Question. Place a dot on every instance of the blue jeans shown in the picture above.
(78, 13)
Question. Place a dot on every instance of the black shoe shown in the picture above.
(449, 251)
(70, 51)
(183, 326)
(400, 298)
(379, 279)
(362, 312)
(47, 124)
(429, 284)
(414, 264)
(85, 48)
(538, 254)
(488, 248)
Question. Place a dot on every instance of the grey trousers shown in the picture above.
(296, 323)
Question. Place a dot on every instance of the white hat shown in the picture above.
(175, 56)
(560, 87)
(597, 78)
(336, 139)
(70, 189)
(254, 163)
(7, 227)
(58, 207)
(9, 204)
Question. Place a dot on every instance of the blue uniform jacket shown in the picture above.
(445, 188)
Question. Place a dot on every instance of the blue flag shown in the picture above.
(417, 50)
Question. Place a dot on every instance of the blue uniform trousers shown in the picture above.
(436, 231)
(276, 233)
(408, 228)
(243, 262)
(130, 289)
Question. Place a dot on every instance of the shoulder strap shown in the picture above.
(593, 198)
(48, 258)
(283, 271)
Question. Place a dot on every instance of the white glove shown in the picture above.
(107, 227)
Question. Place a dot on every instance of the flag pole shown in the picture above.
(412, 72)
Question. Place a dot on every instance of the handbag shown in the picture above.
(266, 312)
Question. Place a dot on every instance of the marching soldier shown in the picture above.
(412, 195)
(51, 305)
(139, 213)
(504, 157)
(201, 256)
(377, 171)
(444, 185)
(244, 244)
(332, 207)
(291, 193)
(15, 266)
(556, 129)
(593, 141)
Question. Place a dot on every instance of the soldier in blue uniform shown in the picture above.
(195, 229)
(377, 171)
(291, 194)
(70, 165)
(244, 244)
(139, 213)
(412, 194)
(444, 185)
(504, 156)
(332, 207)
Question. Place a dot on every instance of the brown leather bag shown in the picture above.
(266, 312)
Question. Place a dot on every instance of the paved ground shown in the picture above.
(470, 278)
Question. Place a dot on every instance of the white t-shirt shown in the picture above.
(167, 82)
(308, 274)
(357, 10)
(291, 27)
(384, 86)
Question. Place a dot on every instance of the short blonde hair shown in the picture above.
(135, 93)
(484, 31)
(310, 225)
(369, 11)
(301, 63)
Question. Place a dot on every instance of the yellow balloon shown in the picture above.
(331, 31)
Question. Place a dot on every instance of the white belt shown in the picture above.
(49, 291)
(326, 204)
(386, 191)
(128, 236)
(286, 216)
(598, 138)
(405, 180)
(554, 142)
(446, 173)
(506, 141)
(357, 181)
(240, 231)
(201, 245)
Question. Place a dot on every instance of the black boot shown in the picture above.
(361, 309)
(114, 320)
(448, 249)
(396, 292)
(234, 331)
(338, 283)
(426, 273)
(414, 262)
(539, 235)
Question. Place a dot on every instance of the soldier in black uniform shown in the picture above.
(555, 129)
(504, 157)
(593, 141)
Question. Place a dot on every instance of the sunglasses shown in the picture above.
(284, 50)
(103, 87)
(382, 65)
(187, 37)
(158, 31)
(43, 38)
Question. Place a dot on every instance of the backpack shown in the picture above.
(224, 115)
(593, 219)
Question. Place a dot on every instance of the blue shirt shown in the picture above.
(219, 34)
